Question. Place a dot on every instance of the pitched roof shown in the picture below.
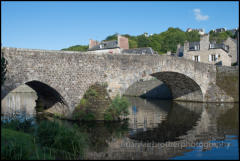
(145, 50)
(105, 45)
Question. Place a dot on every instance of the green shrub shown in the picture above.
(93, 104)
(118, 108)
(15, 145)
(54, 135)
(89, 116)
(108, 116)
(46, 132)
(19, 124)
(50, 140)
(83, 113)
(91, 93)
(83, 102)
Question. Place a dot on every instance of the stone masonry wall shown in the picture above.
(204, 56)
(232, 49)
(71, 73)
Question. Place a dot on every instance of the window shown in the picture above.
(197, 58)
(195, 47)
(213, 57)
(211, 46)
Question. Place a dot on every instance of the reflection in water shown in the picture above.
(19, 101)
(178, 121)
(158, 129)
(145, 114)
(165, 129)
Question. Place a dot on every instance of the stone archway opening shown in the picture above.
(150, 88)
(48, 97)
(182, 87)
(33, 97)
(166, 86)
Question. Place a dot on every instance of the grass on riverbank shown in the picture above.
(49, 141)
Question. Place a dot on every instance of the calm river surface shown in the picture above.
(157, 129)
(169, 130)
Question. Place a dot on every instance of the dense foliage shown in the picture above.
(93, 103)
(76, 48)
(97, 105)
(3, 68)
(49, 140)
(117, 109)
(219, 37)
(164, 41)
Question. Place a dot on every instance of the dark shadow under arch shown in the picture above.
(152, 89)
(47, 96)
(182, 87)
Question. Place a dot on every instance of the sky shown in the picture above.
(57, 25)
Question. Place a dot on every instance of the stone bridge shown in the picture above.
(64, 76)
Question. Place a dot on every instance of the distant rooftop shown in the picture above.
(121, 42)
(105, 45)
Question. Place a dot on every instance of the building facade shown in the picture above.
(113, 46)
(209, 52)
(118, 46)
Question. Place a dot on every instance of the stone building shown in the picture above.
(113, 46)
(200, 31)
(210, 52)
(118, 46)
(233, 31)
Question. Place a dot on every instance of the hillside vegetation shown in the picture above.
(162, 42)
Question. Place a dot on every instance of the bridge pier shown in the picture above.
(71, 73)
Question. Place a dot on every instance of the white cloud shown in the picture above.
(199, 16)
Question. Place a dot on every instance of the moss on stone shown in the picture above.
(93, 104)
(229, 83)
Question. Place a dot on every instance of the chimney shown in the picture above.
(123, 42)
(92, 43)
(186, 46)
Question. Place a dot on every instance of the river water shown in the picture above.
(158, 129)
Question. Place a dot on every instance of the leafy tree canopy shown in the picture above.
(220, 36)
(162, 42)
(76, 48)
(3, 68)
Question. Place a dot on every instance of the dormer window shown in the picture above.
(211, 46)
(194, 46)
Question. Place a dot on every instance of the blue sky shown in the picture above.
(57, 25)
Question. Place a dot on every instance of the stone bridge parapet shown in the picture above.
(71, 73)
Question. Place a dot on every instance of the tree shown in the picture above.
(111, 37)
(143, 41)
(219, 37)
(171, 38)
(156, 42)
(192, 36)
(76, 48)
(3, 68)
(132, 44)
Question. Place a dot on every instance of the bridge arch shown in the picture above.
(182, 87)
(175, 85)
(47, 98)
(48, 95)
